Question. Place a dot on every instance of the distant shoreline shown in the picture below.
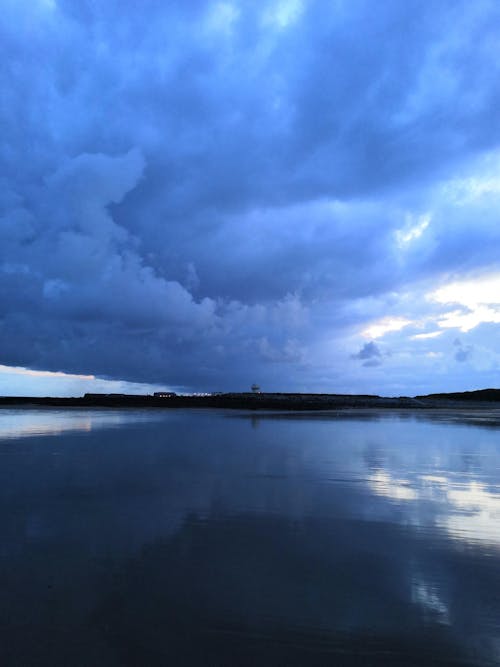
(485, 398)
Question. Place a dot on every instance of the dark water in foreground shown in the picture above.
(214, 538)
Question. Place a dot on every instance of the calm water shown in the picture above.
(220, 538)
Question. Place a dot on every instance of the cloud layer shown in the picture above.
(204, 195)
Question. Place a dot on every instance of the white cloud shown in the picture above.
(385, 325)
(426, 336)
(19, 381)
(479, 298)
(472, 292)
(19, 370)
(480, 181)
(283, 13)
(221, 17)
(469, 320)
(413, 230)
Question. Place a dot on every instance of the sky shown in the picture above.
(202, 195)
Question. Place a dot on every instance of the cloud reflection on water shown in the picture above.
(467, 510)
(440, 469)
(182, 535)
(25, 423)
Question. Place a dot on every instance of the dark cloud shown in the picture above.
(463, 353)
(369, 351)
(197, 193)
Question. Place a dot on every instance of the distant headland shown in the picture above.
(264, 401)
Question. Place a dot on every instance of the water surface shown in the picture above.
(223, 538)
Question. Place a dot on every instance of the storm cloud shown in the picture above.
(207, 194)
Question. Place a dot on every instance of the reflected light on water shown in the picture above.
(396, 489)
(466, 510)
(192, 537)
(24, 425)
(19, 423)
(427, 596)
(476, 513)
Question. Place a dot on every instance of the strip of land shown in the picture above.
(484, 398)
